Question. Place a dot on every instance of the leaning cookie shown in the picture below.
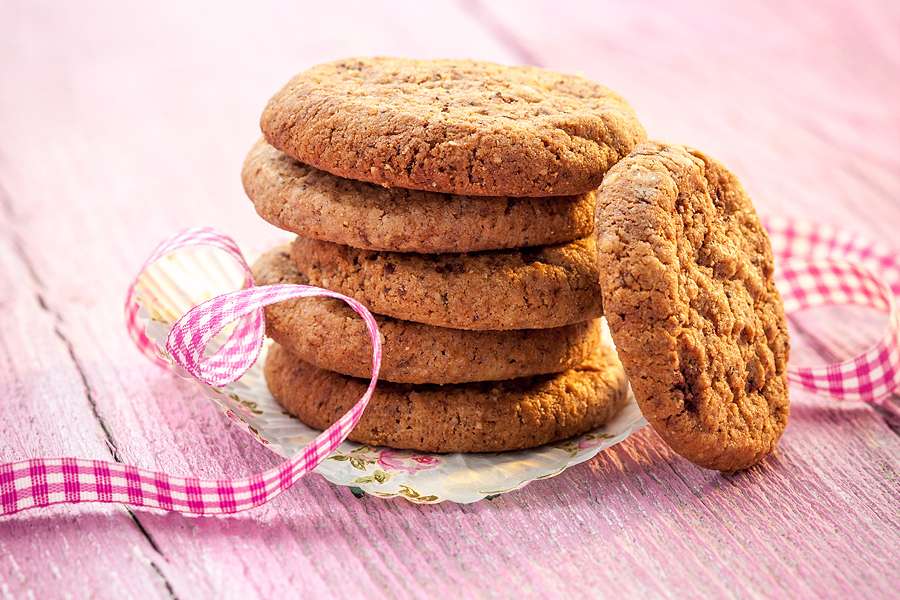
(453, 126)
(686, 271)
(312, 203)
(473, 417)
(329, 335)
(529, 288)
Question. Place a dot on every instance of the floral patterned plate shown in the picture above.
(186, 279)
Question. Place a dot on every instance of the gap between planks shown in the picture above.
(38, 288)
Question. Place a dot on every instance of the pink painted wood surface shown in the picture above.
(120, 124)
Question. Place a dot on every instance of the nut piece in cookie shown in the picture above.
(686, 271)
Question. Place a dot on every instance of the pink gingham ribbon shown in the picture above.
(42, 482)
(819, 266)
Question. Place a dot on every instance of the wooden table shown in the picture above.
(120, 124)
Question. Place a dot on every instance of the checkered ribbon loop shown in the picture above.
(189, 238)
(820, 265)
(43, 482)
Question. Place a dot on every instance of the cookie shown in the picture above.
(315, 204)
(328, 334)
(531, 288)
(471, 417)
(686, 271)
(452, 126)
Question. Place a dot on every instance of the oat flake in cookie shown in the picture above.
(453, 126)
(686, 272)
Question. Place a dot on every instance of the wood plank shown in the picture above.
(797, 102)
(46, 412)
(130, 126)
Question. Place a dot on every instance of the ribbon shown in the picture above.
(819, 266)
(42, 482)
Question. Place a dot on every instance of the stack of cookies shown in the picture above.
(456, 200)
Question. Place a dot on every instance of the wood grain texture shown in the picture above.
(44, 401)
(121, 124)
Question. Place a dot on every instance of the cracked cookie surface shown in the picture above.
(528, 288)
(687, 276)
(315, 204)
(452, 126)
(472, 417)
(329, 335)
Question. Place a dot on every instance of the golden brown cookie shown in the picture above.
(452, 126)
(315, 204)
(529, 288)
(471, 417)
(328, 334)
(686, 272)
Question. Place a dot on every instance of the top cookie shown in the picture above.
(453, 126)
(686, 276)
